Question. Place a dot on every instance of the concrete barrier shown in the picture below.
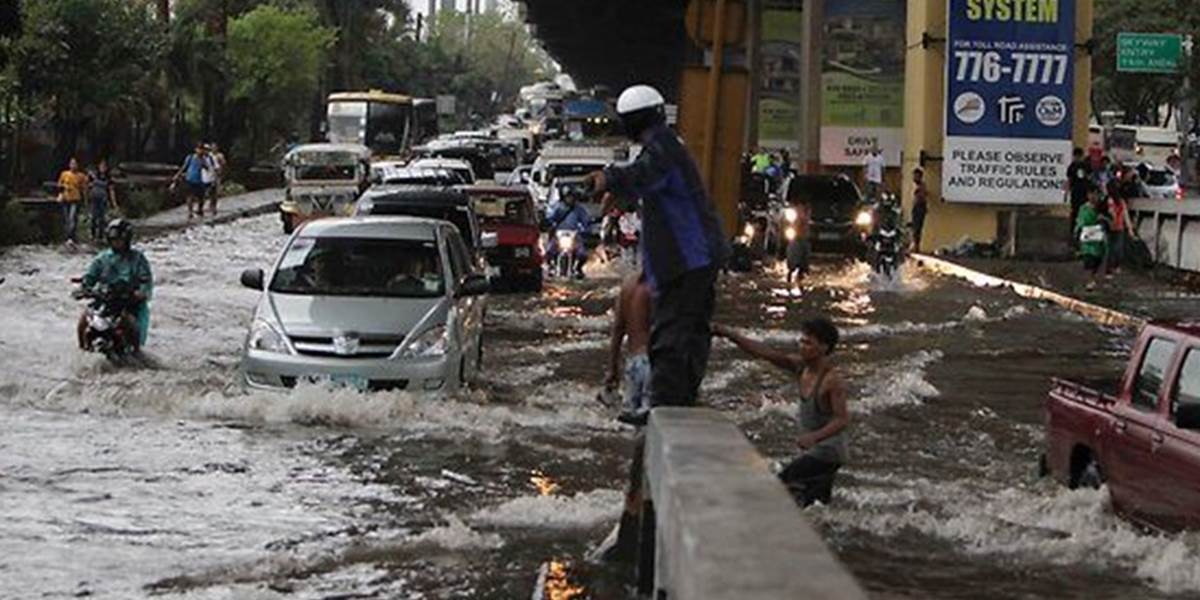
(1171, 229)
(1099, 314)
(720, 525)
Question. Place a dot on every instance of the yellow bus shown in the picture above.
(378, 120)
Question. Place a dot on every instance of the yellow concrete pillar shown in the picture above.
(924, 123)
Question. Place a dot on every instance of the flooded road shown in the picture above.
(171, 482)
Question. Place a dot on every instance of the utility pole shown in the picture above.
(1185, 122)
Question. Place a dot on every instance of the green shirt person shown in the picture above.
(1091, 228)
(121, 263)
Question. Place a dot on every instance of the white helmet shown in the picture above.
(638, 97)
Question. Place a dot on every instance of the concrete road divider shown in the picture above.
(720, 525)
(1099, 314)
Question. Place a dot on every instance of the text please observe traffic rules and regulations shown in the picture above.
(1009, 84)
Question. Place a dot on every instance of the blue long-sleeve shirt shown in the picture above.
(680, 226)
(563, 216)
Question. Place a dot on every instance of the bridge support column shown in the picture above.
(714, 97)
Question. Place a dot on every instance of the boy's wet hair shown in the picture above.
(823, 330)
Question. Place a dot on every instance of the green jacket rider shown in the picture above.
(122, 263)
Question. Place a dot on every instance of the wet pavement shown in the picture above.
(170, 481)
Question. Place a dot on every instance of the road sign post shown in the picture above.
(1149, 52)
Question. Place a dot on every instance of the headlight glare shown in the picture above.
(263, 336)
(433, 342)
(790, 215)
(864, 218)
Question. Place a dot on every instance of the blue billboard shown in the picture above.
(1010, 77)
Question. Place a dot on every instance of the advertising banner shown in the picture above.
(862, 80)
(1009, 83)
(779, 92)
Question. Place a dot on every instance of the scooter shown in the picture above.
(566, 263)
(109, 316)
(886, 251)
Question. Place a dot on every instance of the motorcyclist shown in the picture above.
(887, 218)
(567, 214)
(121, 264)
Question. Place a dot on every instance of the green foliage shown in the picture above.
(85, 59)
(16, 225)
(143, 202)
(491, 54)
(1138, 95)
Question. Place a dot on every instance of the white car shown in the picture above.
(1160, 183)
(461, 167)
(371, 303)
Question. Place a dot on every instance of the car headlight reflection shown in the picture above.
(790, 215)
(433, 342)
(864, 218)
(264, 336)
(748, 230)
(790, 233)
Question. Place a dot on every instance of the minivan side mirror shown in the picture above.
(474, 285)
(253, 279)
(489, 239)
(1187, 416)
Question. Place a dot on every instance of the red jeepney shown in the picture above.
(516, 261)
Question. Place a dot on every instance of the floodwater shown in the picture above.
(171, 482)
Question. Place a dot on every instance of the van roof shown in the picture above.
(377, 227)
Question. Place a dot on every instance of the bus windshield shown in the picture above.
(347, 122)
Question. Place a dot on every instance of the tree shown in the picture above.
(493, 54)
(84, 60)
(1138, 95)
(275, 59)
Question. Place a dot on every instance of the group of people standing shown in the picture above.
(93, 187)
(95, 190)
(201, 173)
(1102, 228)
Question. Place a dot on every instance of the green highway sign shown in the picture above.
(1149, 52)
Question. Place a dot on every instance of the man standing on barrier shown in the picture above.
(683, 249)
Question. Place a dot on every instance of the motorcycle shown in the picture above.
(566, 264)
(885, 243)
(109, 317)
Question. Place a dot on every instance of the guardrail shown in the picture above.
(1171, 228)
(717, 524)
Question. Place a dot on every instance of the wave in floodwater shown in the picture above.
(583, 510)
(1042, 524)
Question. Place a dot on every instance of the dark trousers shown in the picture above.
(680, 337)
(99, 219)
(918, 228)
(810, 479)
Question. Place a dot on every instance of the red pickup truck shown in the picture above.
(1144, 441)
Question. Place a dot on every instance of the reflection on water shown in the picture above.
(556, 582)
(543, 484)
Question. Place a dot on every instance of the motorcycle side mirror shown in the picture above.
(253, 279)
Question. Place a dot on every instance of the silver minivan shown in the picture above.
(372, 303)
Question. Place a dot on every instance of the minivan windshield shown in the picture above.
(338, 266)
(458, 215)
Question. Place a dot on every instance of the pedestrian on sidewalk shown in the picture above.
(1091, 227)
(72, 189)
(1078, 175)
(1118, 231)
(192, 173)
(102, 196)
(822, 412)
(920, 207)
(631, 330)
(873, 167)
(217, 176)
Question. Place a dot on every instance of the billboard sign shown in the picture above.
(1009, 97)
(779, 88)
(862, 80)
(1148, 52)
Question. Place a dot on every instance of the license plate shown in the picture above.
(493, 272)
(354, 382)
(829, 235)
(521, 253)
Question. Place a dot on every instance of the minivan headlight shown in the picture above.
(790, 215)
(433, 342)
(263, 336)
